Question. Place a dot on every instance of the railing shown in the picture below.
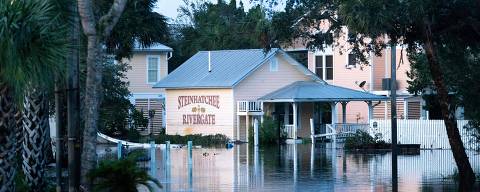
(249, 106)
(288, 131)
(347, 129)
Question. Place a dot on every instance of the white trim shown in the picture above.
(158, 68)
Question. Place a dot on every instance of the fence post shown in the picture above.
(153, 167)
(119, 150)
(312, 131)
(255, 132)
(167, 152)
(190, 163)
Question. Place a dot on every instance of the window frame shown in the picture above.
(148, 68)
(324, 67)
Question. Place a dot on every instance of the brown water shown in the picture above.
(303, 168)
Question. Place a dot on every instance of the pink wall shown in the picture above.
(375, 70)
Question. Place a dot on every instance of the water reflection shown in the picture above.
(303, 168)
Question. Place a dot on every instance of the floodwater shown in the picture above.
(304, 168)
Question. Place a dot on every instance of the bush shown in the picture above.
(268, 131)
(363, 140)
(197, 139)
(121, 175)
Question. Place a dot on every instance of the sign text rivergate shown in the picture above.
(199, 115)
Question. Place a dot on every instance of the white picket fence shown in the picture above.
(430, 134)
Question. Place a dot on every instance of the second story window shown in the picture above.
(324, 66)
(153, 72)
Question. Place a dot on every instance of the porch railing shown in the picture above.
(346, 129)
(287, 131)
(249, 106)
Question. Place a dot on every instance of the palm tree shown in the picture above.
(36, 138)
(32, 45)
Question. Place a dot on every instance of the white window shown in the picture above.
(273, 64)
(324, 66)
(153, 69)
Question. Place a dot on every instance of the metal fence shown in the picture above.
(430, 134)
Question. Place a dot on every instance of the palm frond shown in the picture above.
(33, 43)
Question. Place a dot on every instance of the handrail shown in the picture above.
(288, 130)
(249, 106)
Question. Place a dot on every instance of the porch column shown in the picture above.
(247, 127)
(370, 111)
(294, 120)
(344, 112)
(238, 128)
(333, 105)
(286, 119)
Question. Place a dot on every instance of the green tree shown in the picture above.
(461, 70)
(118, 25)
(33, 45)
(423, 26)
(209, 26)
(115, 106)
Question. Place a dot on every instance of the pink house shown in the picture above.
(340, 68)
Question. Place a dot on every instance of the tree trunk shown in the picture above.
(94, 77)
(7, 140)
(92, 104)
(467, 177)
(36, 143)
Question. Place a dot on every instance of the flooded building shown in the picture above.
(224, 92)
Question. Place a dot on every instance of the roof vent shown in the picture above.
(209, 62)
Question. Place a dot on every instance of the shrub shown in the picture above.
(197, 139)
(268, 131)
(121, 176)
(362, 140)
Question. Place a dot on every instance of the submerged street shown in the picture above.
(322, 169)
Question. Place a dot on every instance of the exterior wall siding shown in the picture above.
(262, 82)
(137, 75)
(372, 74)
(224, 120)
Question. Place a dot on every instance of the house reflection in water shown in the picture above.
(303, 168)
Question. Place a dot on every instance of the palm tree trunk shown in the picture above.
(467, 176)
(36, 142)
(18, 131)
(7, 140)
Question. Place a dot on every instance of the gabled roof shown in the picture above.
(309, 91)
(153, 47)
(229, 67)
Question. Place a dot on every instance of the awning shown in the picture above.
(311, 91)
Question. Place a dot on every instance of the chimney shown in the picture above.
(209, 62)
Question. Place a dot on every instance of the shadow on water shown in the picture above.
(304, 168)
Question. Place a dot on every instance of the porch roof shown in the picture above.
(309, 91)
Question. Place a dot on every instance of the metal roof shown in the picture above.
(229, 67)
(308, 91)
(153, 47)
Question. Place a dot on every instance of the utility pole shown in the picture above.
(73, 103)
(393, 108)
(60, 125)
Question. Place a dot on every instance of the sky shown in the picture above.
(169, 8)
